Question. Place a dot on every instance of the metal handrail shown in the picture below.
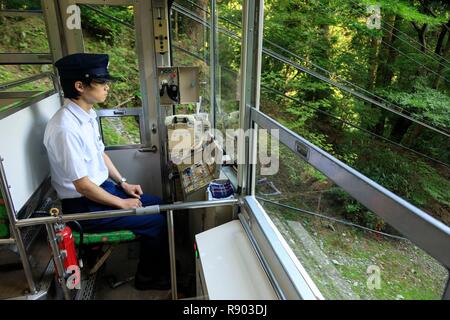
(126, 212)
(17, 83)
(425, 231)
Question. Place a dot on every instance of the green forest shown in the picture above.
(383, 109)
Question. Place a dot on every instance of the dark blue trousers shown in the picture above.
(154, 253)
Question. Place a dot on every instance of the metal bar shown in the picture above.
(7, 241)
(25, 103)
(53, 25)
(130, 212)
(107, 2)
(290, 275)
(425, 231)
(17, 94)
(173, 264)
(11, 212)
(25, 58)
(139, 147)
(17, 83)
(57, 259)
(213, 59)
(265, 266)
(145, 48)
(198, 204)
(72, 37)
(20, 13)
(251, 57)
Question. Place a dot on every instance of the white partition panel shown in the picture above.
(231, 269)
(21, 146)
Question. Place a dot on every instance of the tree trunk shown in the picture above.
(194, 29)
(322, 94)
(441, 38)
(399, 129)
(421, 35)
(385, 73)
(444, 54)
(415, 131)
(373, 62)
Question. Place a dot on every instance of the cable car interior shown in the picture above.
(233, 247)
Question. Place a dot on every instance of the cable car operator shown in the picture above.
(80, 168)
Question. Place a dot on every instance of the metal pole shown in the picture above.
(198, 204)
(4, 188)
(130, 212)
(250, 82)
(173, 265)
(57, 259)
(213, 63)
(17, 83)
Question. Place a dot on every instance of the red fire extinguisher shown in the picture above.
(66, 245)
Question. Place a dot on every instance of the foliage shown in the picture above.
(424, 103)
(408, 72)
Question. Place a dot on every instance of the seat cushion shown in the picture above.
(105, 237)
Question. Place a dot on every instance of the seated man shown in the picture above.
(80, 168)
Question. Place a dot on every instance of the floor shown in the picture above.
(122, 264)
(12, 278)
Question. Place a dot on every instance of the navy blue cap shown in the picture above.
(84, 66)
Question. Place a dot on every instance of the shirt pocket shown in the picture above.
(87, 157)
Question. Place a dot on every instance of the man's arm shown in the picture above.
(131, 189)
(112, 170)
(93, 192)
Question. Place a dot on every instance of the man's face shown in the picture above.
(97, 92)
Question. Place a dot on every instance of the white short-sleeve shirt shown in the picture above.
(75, 149)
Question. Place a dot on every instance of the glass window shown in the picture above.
(190, 47)
(349, 252)
(331, 71)
(110, 29)
(119, 131)
(23, 34)
(101, 34)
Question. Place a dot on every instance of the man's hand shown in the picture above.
(130, 203)
(133, 190)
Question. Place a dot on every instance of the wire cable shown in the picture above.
(270, 42)
(406, 36)
(321, 77)
(332, 219)
(325, 70)
(281, 94)
(333, 74)
(357, 127)
(351, 91)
